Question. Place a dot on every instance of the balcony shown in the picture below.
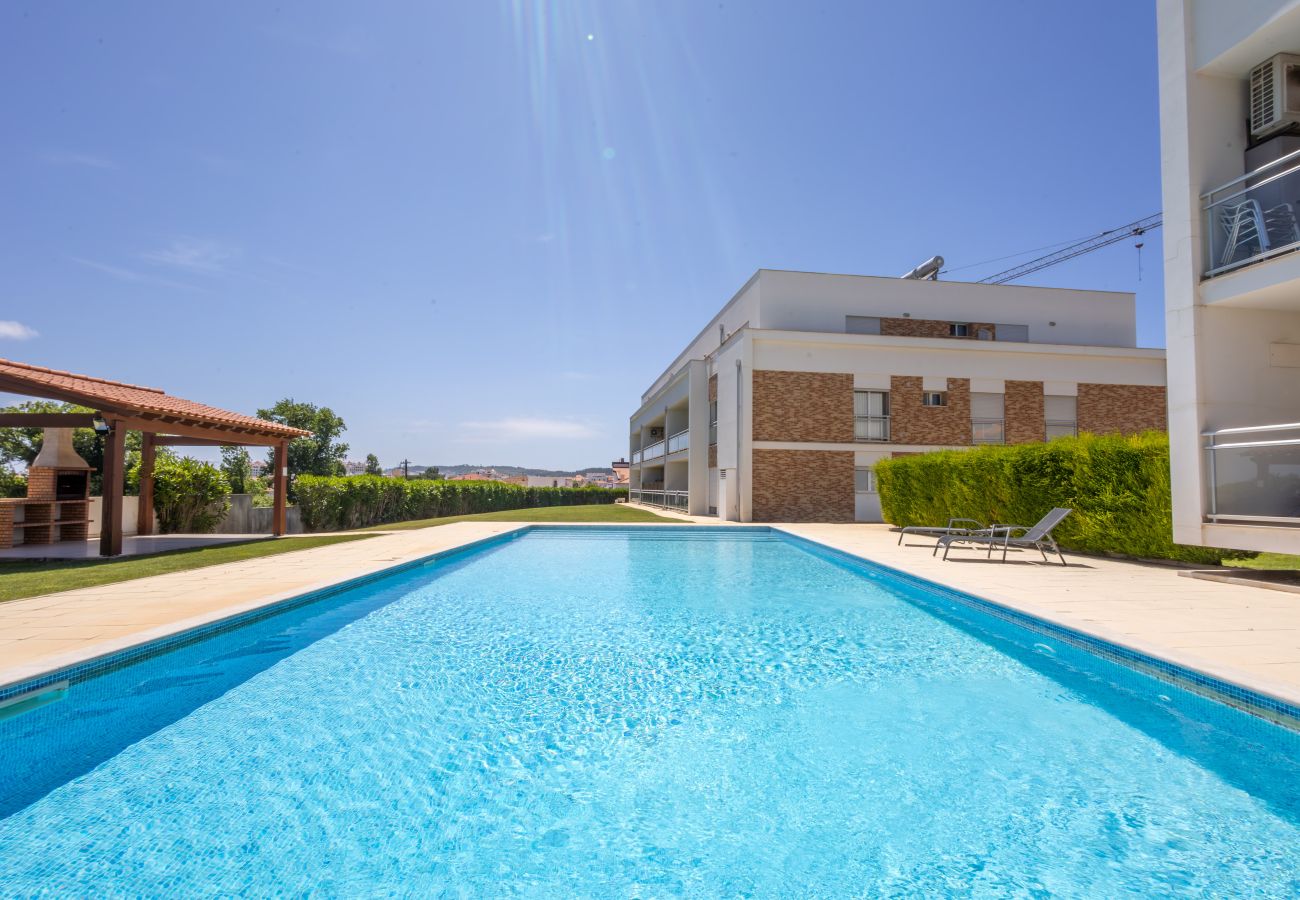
(1254, 474)
(654, 451)
(636, 457)
(1252, 218)
(679, 441)
(662, 499)
(871, 428)
(987, 431)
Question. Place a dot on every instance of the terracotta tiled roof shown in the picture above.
(129, 400)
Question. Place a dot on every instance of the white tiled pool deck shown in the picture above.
(1246, 635)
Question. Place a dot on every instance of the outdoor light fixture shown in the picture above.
(101, 427)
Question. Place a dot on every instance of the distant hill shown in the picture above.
(516, 470)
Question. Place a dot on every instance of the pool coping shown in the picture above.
(1240, 690)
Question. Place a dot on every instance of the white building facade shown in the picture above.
(1230, 160)
(782, 405)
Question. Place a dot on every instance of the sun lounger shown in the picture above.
(936, 531)
(1038, 537)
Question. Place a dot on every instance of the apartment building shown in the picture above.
(779, 409)
(1230, 160)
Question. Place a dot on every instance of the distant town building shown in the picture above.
(544, 480)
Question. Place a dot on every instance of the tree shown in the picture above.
(19, 446)
(238, 468)
(372, 465)
(431, 473)
(321, 453)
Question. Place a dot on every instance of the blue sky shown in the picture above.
(479, 230)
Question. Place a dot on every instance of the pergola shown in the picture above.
(163, 420)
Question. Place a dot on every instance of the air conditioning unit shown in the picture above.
(1275, 95)
(656, 432)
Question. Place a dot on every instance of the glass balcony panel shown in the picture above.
(1256, 476)
(1253, 218)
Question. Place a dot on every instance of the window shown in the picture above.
(1061, 415)
(959, 329)
(987, 411)
(934, 398)
(871, 415)
(862, 324)
(864, 481)
(984, 334)
(713, 421)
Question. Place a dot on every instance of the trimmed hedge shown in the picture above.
(355, 501)
(1117, 485)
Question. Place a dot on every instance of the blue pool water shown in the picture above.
(651, 714)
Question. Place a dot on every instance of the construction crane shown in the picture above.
(1105, 239)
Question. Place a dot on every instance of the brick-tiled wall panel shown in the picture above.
(1126, 408)
(912, 423)
(803, 406)
(713, 456)
(1023, 412)
(803, 486)
(931, 328)
(41, 483)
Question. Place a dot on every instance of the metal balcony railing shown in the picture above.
(1253, 474)
(679, 441)
(987, 431)
(871, 428)
(636, 457)
(663, 499)
(1252, 217)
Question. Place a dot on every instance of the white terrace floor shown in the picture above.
(1246, 635)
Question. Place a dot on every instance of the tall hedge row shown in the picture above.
(354, 501)
(1118, 487)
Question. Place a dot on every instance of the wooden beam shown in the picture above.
(280, 487)
(222, 438)
(110, 529)
(280, 490)
(174, 441)
(144, 517)
(45, 420)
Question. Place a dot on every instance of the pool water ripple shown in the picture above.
(623, 715)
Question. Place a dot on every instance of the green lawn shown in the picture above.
(32, 578)
(1267, 561)
(594, 512)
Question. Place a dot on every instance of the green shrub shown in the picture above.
(332, 503)
(1118, 487)
(190, 496)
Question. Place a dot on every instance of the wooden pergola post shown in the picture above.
(280, 489)
(144, 517)
(110, 530)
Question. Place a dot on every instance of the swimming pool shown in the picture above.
(653, 712)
